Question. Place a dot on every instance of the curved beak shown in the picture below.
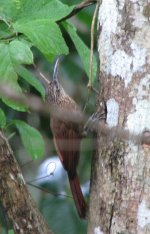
(55, 73)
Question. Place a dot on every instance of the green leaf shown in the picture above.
(5, 30)
(2, 119)
(20, 52)
(43, 9)
(15, 105)
(9, 9)
(11, 231)
(31, 79)
(83, 50)
(16, 52)
(45, 35)
(7, 73)
(8, 77)
(31, 138)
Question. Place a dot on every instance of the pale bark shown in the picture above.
(19, 206)
(120, 184)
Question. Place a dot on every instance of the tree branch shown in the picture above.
(78, 8)
(19, 206)
(93, 124)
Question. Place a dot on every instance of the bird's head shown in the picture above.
(54, 90)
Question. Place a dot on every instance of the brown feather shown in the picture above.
(66, 136)
(67, 143)
(78, 196)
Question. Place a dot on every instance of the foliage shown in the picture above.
(31, 139)
(83, 50)
(29, 29)
(2, 119)
(10, 232)
(23, 26)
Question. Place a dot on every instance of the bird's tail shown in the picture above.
(78, 195)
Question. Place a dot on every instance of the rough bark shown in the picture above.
(18, 205)
(120, 184)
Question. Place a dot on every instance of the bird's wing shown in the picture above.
(67, 142)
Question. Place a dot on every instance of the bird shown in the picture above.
(66, 135)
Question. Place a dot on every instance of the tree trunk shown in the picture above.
(19, 206)
(120, 184)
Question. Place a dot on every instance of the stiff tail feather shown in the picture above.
(77, 195)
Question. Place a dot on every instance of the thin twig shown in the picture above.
(78, 8)
(27, 163)
(41, 74)
(91, 58)
(47, 191)
(92, 47)
(35, 104)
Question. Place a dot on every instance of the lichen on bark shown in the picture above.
(120, 190)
